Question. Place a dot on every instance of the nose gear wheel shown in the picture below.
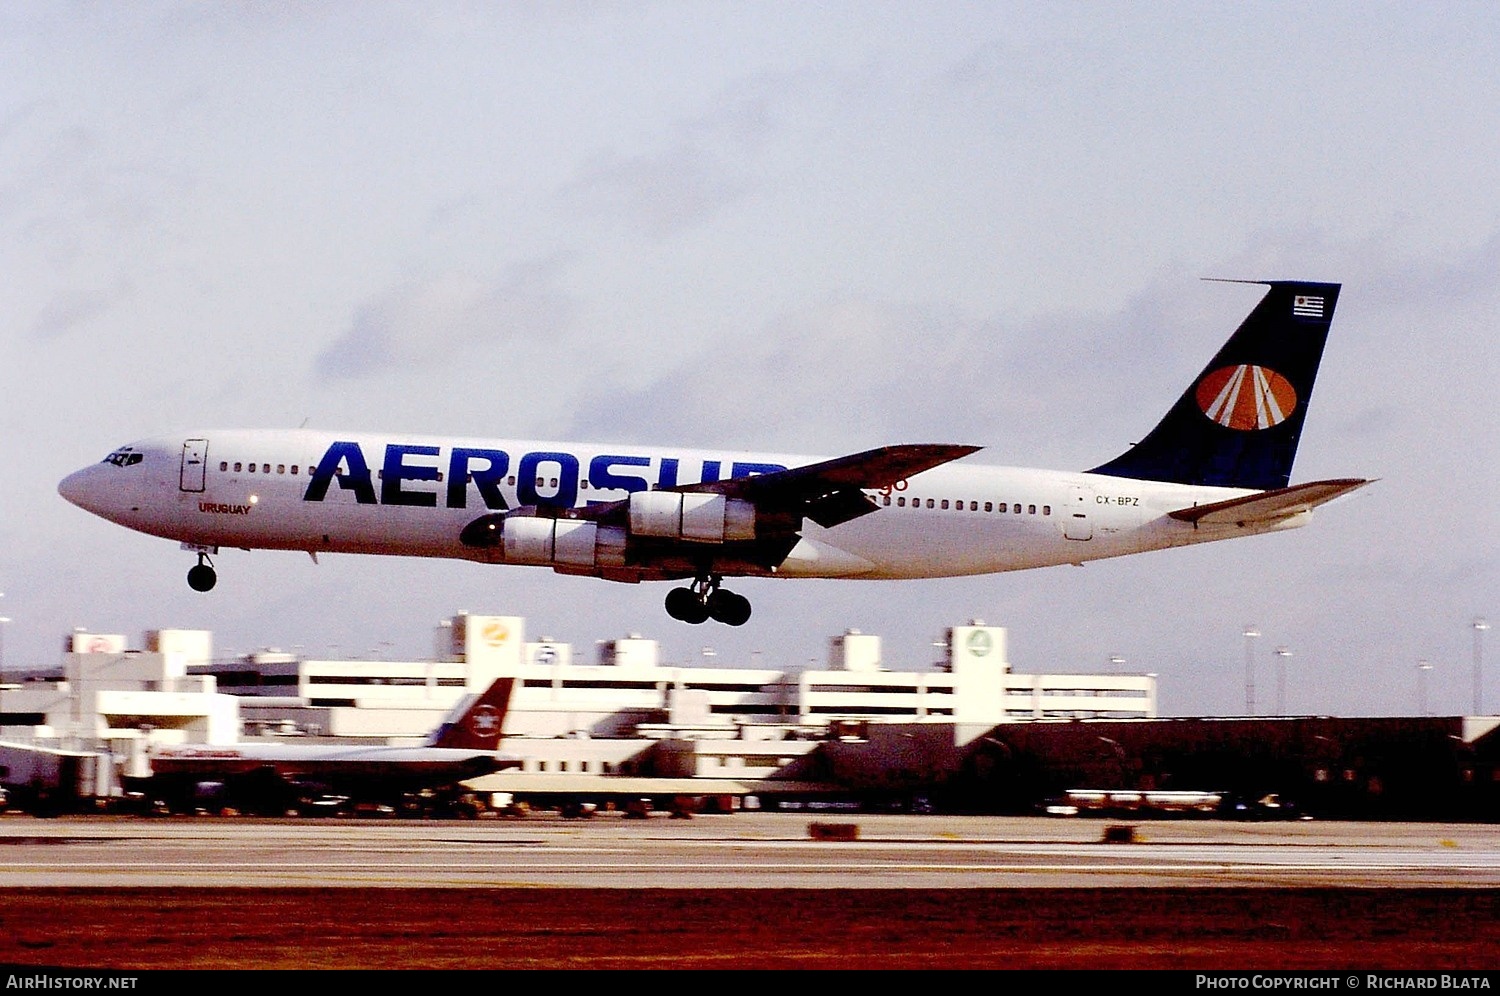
(203, 577)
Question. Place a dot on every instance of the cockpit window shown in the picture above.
(125, 456)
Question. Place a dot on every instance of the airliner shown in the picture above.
(1217, 466)
(274, 777)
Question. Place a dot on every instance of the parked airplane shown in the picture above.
(1217, 466)
(274, 777)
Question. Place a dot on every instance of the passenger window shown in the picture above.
(1016, 508)
(886, 499)
(237, 467)
(281, 468)
(251, 468)
(552, 483)
(1046, 509)
(901, 502)
(945, 503)
(1031, 509)
(973, 506)
(989, 506)
(511, 481)
(223, 465)
(929, 503)
(294, 469)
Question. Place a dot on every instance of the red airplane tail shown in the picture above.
(477, 723)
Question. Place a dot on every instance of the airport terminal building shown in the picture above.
(578, 726)
(968, 734)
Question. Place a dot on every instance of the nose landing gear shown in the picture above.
(705, 600)
(203, 577)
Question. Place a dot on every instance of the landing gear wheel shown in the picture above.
(203, 577)
(704, 600)
(684, 604)
(728, 608)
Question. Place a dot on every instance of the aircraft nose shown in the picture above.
(75, 487)
(88, 489)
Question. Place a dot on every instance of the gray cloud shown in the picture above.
(72, 309)
(445, 319)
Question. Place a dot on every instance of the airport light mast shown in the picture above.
(1282, 654)
(1480, 626)
(1250, 634)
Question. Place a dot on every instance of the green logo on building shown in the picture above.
(980, 643)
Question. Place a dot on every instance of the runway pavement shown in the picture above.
(741, 851)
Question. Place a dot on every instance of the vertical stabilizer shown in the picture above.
(476, 722)
(1238, 424)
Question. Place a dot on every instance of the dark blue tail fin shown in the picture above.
(1238, 425)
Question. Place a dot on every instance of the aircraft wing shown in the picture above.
(1268, 505)
(659, 545)
(832, 491)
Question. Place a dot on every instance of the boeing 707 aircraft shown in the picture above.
(1217, 466)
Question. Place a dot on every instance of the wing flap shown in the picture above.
(1266, 506)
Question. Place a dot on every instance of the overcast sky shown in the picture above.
(788, 227)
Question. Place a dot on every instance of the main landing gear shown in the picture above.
(705, 600)
(203, 577)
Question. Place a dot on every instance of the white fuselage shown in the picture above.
(412, 495)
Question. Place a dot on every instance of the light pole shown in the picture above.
(3, 621)
(1422, 668)
(1250, 634)
(1479, 627)
(1282, 654)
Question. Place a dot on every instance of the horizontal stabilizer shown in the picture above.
(1269, 505)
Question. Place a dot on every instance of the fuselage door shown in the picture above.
(1076, 522)
(194, 464)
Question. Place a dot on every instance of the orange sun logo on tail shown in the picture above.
(1246, 397)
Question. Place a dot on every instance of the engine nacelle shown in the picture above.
(698, 518)
(546, 542)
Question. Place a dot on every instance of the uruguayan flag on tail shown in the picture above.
(1307, 306)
